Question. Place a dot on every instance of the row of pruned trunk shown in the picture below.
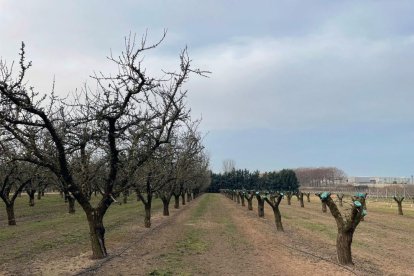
(346, 224)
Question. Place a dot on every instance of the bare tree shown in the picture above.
(274, 200)
(399, 200)
(249, 197)
(340, 197)
(323, 202)
(228, 165)
(13, 180)
(127, 104)
(260, 204)
(300, 197)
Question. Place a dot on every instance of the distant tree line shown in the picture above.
(284, 180)
(320, 177)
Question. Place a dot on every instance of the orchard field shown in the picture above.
(211, 235)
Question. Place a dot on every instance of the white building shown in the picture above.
(361, 180)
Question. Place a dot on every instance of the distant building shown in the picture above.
(382, 180)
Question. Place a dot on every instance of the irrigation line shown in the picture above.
(97, 266)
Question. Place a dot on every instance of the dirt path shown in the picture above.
(216, 237)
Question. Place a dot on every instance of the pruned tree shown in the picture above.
(300, 197)
(289, 195)
(346, 225)
(323, 202)
(399, 200)
(249, 197)
(241, 195)
(340, 197)
(260, 204)
(361, 197)
(13, 180)
(274, 200)
(307, 196)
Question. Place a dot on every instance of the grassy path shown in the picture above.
(215, 237)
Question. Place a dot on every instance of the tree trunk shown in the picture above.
(278, 219)
(400, 211)
(147, 220)
(260, 207)
(308, 197)
(242, 200)
(97, 235)
(31, 199)
(323, 207)
(125, 197)
(399, 201)
(182, 198)
(71, 205)
(10, 213)
(166, 203)
(343, 247)
(340, 202)
(188, 196)
(238, 198)
(39, 195)
(250, 204)
(176, 201)
(289, 197)
(302, 204)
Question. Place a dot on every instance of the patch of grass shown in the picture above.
(319, 228)
(160, 272)
(202, 206)
(192, 244)
(284, 216)
(47, 227)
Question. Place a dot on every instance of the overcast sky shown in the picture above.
(293, 83)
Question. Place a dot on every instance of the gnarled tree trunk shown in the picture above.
(300, 197)
(260, 206)
(346, 227)
(289, 198)
(249, 198)
(340, 198)
(182, 198)
(176, 201)
(399, 201)
(71, 204)
(343, 246)
(242, 199)
(31, 194)
(165, 203)
(97, 234)
(274, 202)
(10, 213)
(147, 219)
